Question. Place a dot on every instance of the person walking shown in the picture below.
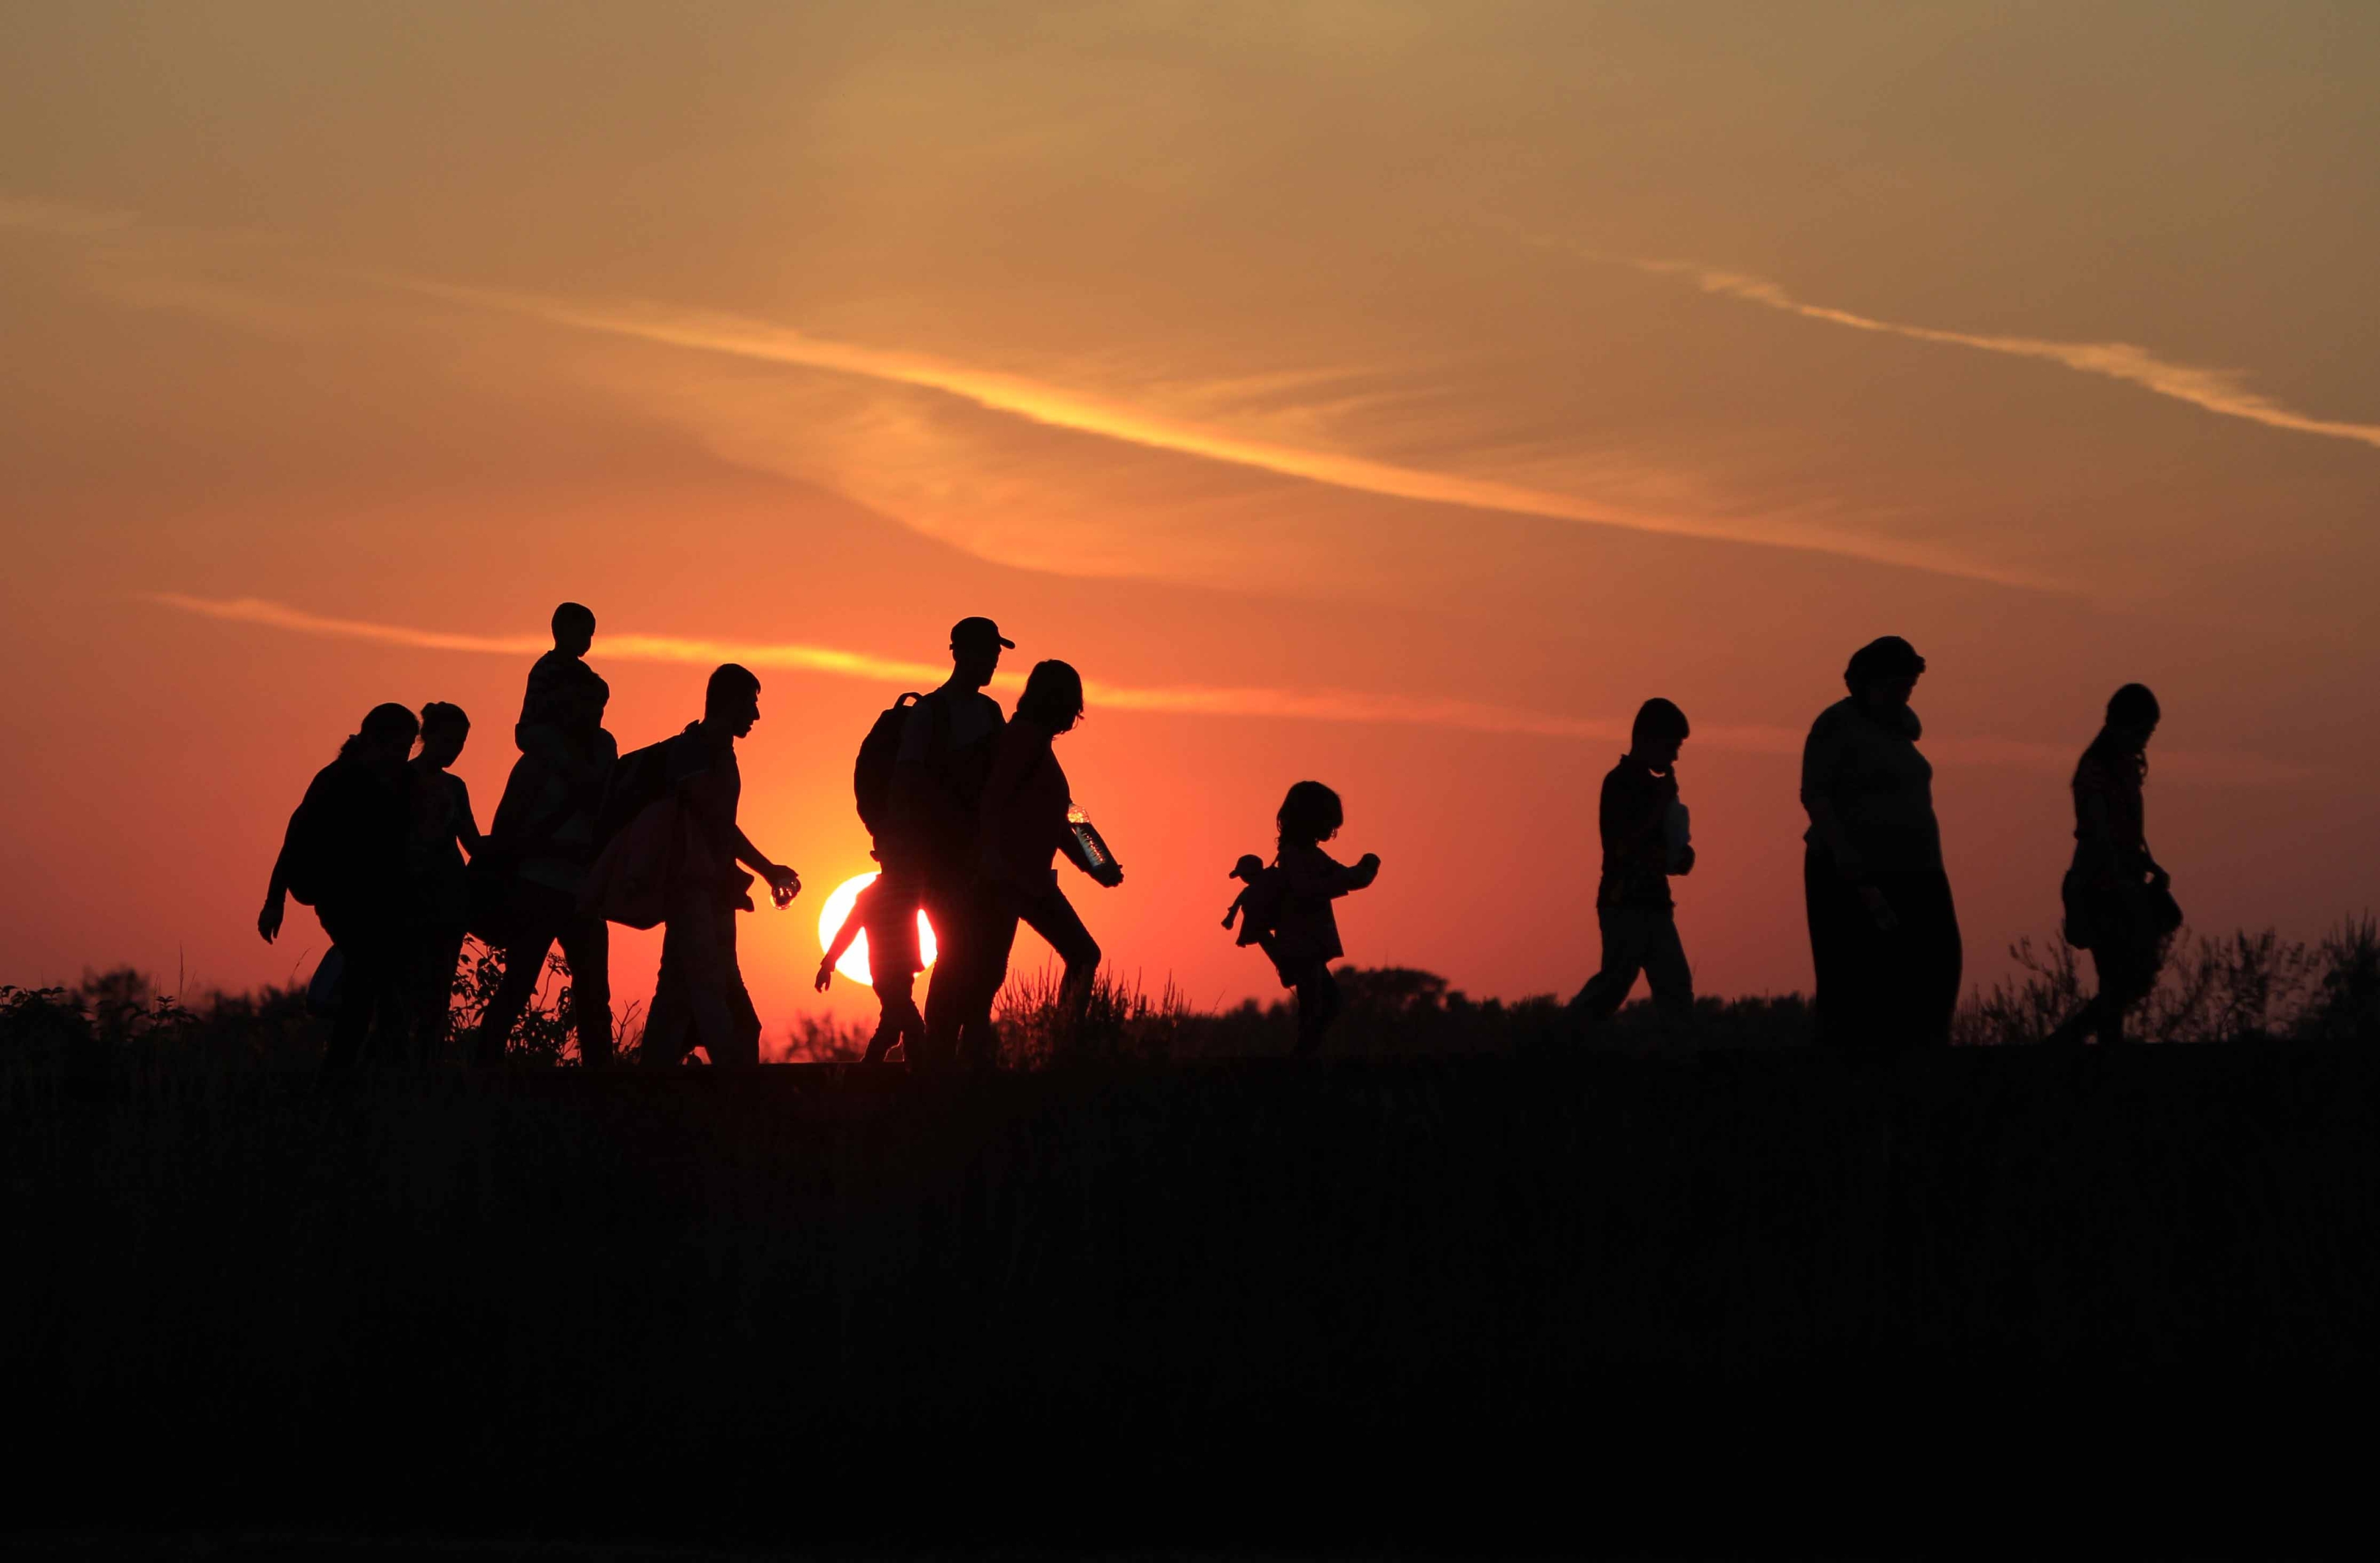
(1644, 828)
(700, 997)
(1884, 933)
(544, 830)
(443, 829)
(2118, 900)
(1025, 803)
(344, 855)
(1304, 934)
(938, 790)
(890, 922)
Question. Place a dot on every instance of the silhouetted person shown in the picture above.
(443, 829)
(1884, 935)
(1026, 806)
(545, 828)
(2119, 903)
(1642, 825)
(890, 920)
(700, 996)
(1305, 929)
(345, 854)
(560, 685)
(937, 791)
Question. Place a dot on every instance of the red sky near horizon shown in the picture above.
(1389, 393)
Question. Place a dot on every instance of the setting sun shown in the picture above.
(838, 906)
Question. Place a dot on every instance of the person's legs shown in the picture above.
(1667, 970)
(2128, 967)
(1622, 958)
(1931, 964)
(586, 945)
(717, 1011)
(1841, 931)
(669, 1019)
(436, 951)
(1318, 1003)
(741, 1040)
(357, 944)
(523, 963)
(994, 938)
(947, 988)
(1054, 918)
(897, 1019)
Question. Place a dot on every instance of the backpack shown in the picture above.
(871, 773)
(639, 779)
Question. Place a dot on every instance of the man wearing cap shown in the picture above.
(946, 749)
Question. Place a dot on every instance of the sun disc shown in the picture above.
(854, 963)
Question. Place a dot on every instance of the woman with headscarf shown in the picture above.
(1026, 802)
(2118, 905)
(1884, 935)
(345, 856)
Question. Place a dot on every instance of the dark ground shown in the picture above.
(2001, 1300)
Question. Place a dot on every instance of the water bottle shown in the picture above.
(1095, 855)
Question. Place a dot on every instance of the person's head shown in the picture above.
(1309, 816)
(1658, 732)
(1882, 672)
(384, 737)
(443, 730)
(574, 628)
(975, 645)
(1053, 696)
(731, 699)
(2132, 717)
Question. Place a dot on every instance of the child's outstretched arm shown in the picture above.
(851, 929)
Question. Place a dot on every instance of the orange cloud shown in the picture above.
(2216, 391)
(1060, 407)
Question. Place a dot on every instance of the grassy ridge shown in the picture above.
(1734, 1299)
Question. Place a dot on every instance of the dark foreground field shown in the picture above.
(2005, 1300)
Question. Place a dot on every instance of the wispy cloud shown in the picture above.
(1312, 705)
(1061, 407)
(2216, 391)
(1294, 705)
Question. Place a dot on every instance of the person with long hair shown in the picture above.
(1305, 929)
(1884, 933)
(1025, 801)
(344, 854)
(442, 828)
(2119, 905)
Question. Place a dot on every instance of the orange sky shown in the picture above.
(1389, 393)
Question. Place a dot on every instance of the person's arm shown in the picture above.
(466, 824)
(783, 883)
(1317, 875)
(843, 936)
(1821, 757)
(276, 893)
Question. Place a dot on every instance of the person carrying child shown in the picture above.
(888, 916)
(1303, 938)
(561, 687)
(1644, 831)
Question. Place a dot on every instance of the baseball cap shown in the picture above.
(978, 632)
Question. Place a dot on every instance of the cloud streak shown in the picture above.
(2216, 391)
(1058, 407)
(1288, 704)
(1311, 705)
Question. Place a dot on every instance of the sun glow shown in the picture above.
(838, 906)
